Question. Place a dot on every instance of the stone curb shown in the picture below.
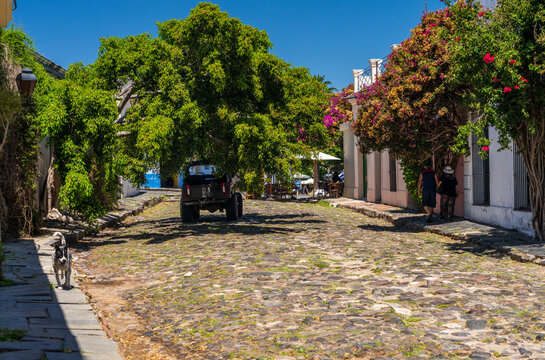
(489, 241)
(74, 233)
(108, 220)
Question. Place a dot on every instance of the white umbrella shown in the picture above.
(321, 156)
(307, 182)
(300, 176)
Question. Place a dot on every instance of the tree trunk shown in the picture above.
(52, 187)
(532, 145)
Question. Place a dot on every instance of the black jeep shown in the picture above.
(203, 188)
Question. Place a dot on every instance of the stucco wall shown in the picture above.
(501, 209)
(374, 177)
(128, 189)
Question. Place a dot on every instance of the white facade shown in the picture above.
(128, 189)
(368, 176)
(501, 208)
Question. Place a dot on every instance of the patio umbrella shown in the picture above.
(319, 157)
(300, 176)
(323, 156)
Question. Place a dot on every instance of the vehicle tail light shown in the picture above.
(223, 188)
(187, 191)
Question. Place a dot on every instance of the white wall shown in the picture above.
(353, 163)
(501, 211)
(128, 189)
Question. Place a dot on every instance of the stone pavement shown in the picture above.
(59, 323)
(517, 246)
(294, 280)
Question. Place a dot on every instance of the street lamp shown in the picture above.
(26, 81)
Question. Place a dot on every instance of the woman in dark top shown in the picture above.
(447, 189)
(427, 182)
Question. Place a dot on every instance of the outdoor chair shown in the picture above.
(336, 189)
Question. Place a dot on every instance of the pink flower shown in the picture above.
(488, 58)
(495, 79)
(507, 89)
(512, 62)
(523, 79)
(486, 148)
(458, 38)
(481, 13)
(516, 86)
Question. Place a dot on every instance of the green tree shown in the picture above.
(502, 54)
(208, 87)
(79, 122)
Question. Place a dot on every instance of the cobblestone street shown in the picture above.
(297, 281)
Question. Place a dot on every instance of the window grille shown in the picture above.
(393, 173)
(481, 173)
(522, 183)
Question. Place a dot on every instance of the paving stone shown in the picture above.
(23, 354)
(78, 356)
(476, 324)
(49, 344)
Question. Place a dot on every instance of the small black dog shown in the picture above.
(62, 261)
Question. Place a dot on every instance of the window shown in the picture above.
(481, 173)
(522, 183)
(393, 173)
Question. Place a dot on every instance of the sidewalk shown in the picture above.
(517, 246)
(59, 324)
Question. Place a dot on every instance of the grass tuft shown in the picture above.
(11, 335)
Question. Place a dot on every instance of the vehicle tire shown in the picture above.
(196, 212)
(239, 203)
(187, 213)
(231, 208)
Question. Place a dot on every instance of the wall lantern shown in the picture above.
(26, 81)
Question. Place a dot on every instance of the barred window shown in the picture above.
(521, 183)
(481, 174)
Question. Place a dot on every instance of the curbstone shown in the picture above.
(496, 238)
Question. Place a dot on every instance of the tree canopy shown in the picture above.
(411, 109)
(208, 87)
(501, 53)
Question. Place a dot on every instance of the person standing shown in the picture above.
(427, 185)
(447, 189)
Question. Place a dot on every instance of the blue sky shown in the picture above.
(329, 37)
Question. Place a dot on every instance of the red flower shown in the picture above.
(495, 79)
(486, 148)
(523, 79)
(516, 86)
(458, 38)
(488, 58)
(507, 89)
(512, 62)
(481, 13)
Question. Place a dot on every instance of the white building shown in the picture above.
(495, 191)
